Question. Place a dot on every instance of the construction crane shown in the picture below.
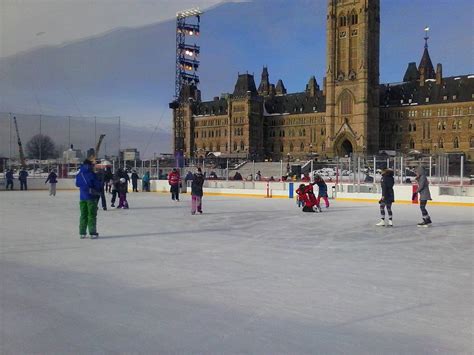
(20, 147)
(94, 156)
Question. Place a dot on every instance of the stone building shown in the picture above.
(349, 113)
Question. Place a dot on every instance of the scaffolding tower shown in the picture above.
(187, 25)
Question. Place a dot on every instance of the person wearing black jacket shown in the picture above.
(197, 192)
(101, 177)
(135, 178)
(388, 197)
(53, 180)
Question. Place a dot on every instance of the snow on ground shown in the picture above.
(248, 276)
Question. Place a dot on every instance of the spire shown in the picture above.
(280, 88)
(264, 87)
(425, 68)
(312, 87)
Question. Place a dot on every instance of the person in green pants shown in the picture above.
(89, 186)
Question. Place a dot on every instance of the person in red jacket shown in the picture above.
(306, 196)
(174, 180)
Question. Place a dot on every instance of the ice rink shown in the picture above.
(249, 276)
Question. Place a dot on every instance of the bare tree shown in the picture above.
(41, 146)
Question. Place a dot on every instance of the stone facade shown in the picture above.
(351, 113)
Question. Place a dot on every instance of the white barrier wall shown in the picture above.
(403, 193)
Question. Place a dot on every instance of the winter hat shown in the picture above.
(122, 180)
(420, 171)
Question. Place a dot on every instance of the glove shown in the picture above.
(413, 197)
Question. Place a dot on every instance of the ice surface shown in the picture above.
(248, 276)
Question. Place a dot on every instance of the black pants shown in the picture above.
(174, 192)
(23, 185)
(114, 196)
(384, 205)
(102, 199)
(135, 185)
(9, 183)
(424, 212)
(146, 186)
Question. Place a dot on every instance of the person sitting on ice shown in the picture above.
(306, 196)
(322, 190)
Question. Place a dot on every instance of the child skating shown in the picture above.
(122, 188)
(197, 192)
(388, 197)
(322, 190)
(306, 196)
(425, 195)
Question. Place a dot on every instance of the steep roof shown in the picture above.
(451, 89)
(295, 103)
(245, 83)
(426, 67)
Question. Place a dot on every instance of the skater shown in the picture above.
(388, 197)
(197, 192)
(135, 178)
(306, 196)
(146, 182)
(22, 176)
(174, 180)
(52, 179)
(89, 187)
(122, 189)
(9, 177)
(108, 176)
(101, 177)
(322, 190)
(425, 195)
(237, 176)
(117, 176)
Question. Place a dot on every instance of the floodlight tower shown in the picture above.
(187, 24)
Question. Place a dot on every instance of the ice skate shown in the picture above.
(425, 223)
(381, 223)
(390, 223)
(94, 235)
(82, 236)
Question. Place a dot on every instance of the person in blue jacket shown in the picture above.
(9, 177)
(53, 180)
(22, 176)
(89, 187)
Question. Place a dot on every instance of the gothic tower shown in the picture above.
(352, 59)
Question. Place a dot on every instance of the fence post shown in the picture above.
(375, 167)
(358, 173)
(227, 170)
(311, 178)
(401, 170)
(388, 163)
(431, 164)
(281, 170)
(462, 169)
(253, 169)
(447, 169)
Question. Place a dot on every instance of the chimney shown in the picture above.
(439, 73)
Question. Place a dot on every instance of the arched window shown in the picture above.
(439, 126)
(354, 18)
(291, 147)
(235, 146)
(281, 147)
(342, 21)
(301, 147)
(414, 127)
(440, 143)
(409, 127)
(304, 132)
(412, 144)
(226, 147)
(241, 145)
(456, 143)
(346, 103)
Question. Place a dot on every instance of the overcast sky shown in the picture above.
(25, 24)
